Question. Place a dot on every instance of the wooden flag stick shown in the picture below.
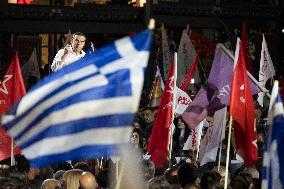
(228, 152)
(12, 153)
(220, 149)
(172, 126)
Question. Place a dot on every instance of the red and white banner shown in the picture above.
(12, 88)
(182, 101)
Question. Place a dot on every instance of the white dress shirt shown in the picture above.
(71, 57)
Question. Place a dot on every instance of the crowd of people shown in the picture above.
(185, 172)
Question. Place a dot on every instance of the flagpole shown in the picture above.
(220, 149)
(12, 153)
(228, 152)
(198, 137)
(173, 109)
(220, 153)
(263, 89)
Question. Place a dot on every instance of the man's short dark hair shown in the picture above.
(210, 180)
(187, 174)
(83, 166)
(79, 33)
(148, 168)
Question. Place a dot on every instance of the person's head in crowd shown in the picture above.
(180, 123)
(78, 42)
(148, 169)
(137, 138)
(65, 166)
(159, 182)
(149, 115)
(187, 174)
(136, 125)
(103, 178)
(71, 178)
(97, 166)
(94, 165)
(22, 163)
(145, 144)
(83, 166)
(3, 170)
(8, 183)
(240, 181)
(50, 184)
(33, 173)
(14, 174)
(254, 175)
(222, 172)
(161, 170)
(210, 180)
(192, 187)
(87, 181)
(58, 175)
(171, 175)
(258, 113)
(46, 173)
(260, 137)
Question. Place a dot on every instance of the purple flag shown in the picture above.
(216, 94)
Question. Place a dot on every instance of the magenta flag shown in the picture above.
(216, 93)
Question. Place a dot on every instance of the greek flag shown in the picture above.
(273, 159)
(85, 110)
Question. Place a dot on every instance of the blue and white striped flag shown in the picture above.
(84, 110)
(273, 159)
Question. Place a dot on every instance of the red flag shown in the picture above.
(242, 110)
(245, 46)
(159, 140)
(12, 88)
(201, 42)
(187, 78)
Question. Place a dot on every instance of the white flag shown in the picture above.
(165, 52)
(186, 55)
(193, 140)
(156, 90)
(158, 74)
(182, 101)
(266, 69)
(31, 67)
(214, 135)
